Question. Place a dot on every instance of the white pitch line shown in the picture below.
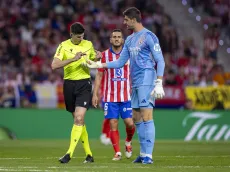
(14, 169)
(176, 156)
(83, 167)
(105, 157)
(6, 169)
(103, 167)
(201, 156)
(40, 170)
(194, 166)
(26, 167)
(139, 167)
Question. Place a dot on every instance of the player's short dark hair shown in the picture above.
(116, 30)
(77, 28)
(133, 12)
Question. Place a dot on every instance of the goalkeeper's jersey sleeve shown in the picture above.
(67, 50)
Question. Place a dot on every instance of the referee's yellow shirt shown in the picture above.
(67, 50)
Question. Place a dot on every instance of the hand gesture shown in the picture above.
(95, 101)
(92, 64)
(158, 91)
(78, 56)
(98, 55)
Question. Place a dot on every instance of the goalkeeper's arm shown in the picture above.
(124, 56)
(115, 64)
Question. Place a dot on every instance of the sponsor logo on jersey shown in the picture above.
(119, 79)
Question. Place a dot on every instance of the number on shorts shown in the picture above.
(106, 106)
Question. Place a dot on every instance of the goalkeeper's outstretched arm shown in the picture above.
(124, 56)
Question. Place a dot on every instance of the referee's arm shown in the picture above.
(97, 83)
(57, 63)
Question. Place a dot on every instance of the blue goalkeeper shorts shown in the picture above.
(113, 110)
(141, 97)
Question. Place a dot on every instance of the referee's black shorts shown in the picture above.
(77, 93)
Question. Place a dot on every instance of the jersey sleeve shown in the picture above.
(124, 57)
(92, 54)
(59, 52)
(154, 46)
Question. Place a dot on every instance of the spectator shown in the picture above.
(7, 97)
(206, 80)
(220, 76)
(191, 80)
(171, 78)
(30, 31)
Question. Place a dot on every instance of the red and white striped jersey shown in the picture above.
(116, 82)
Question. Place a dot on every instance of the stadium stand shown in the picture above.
(30, 31)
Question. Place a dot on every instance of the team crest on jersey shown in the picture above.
(71, 50)
(141, 40)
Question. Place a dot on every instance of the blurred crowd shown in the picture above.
(30, 32)
(217, 15)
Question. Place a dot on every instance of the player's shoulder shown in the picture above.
(105, 50)
(104, 53)
(151, 34)
(130, 37)
(148, 32)
(86, 43)
(65, 43)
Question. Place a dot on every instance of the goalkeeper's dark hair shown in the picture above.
(77, 28)
(116, 30)
(133, 12)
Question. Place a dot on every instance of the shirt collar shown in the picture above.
(110, 49)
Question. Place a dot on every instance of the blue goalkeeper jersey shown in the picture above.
(144, 51)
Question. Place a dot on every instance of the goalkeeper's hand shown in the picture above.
(92, 64)
(158, 91)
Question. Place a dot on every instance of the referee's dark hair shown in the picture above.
(77, 28)
(133, 12)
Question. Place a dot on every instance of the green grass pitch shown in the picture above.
(170, 156)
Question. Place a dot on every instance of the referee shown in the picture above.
(77, 85)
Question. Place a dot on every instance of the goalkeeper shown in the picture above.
(77, 85)
(143, 49)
